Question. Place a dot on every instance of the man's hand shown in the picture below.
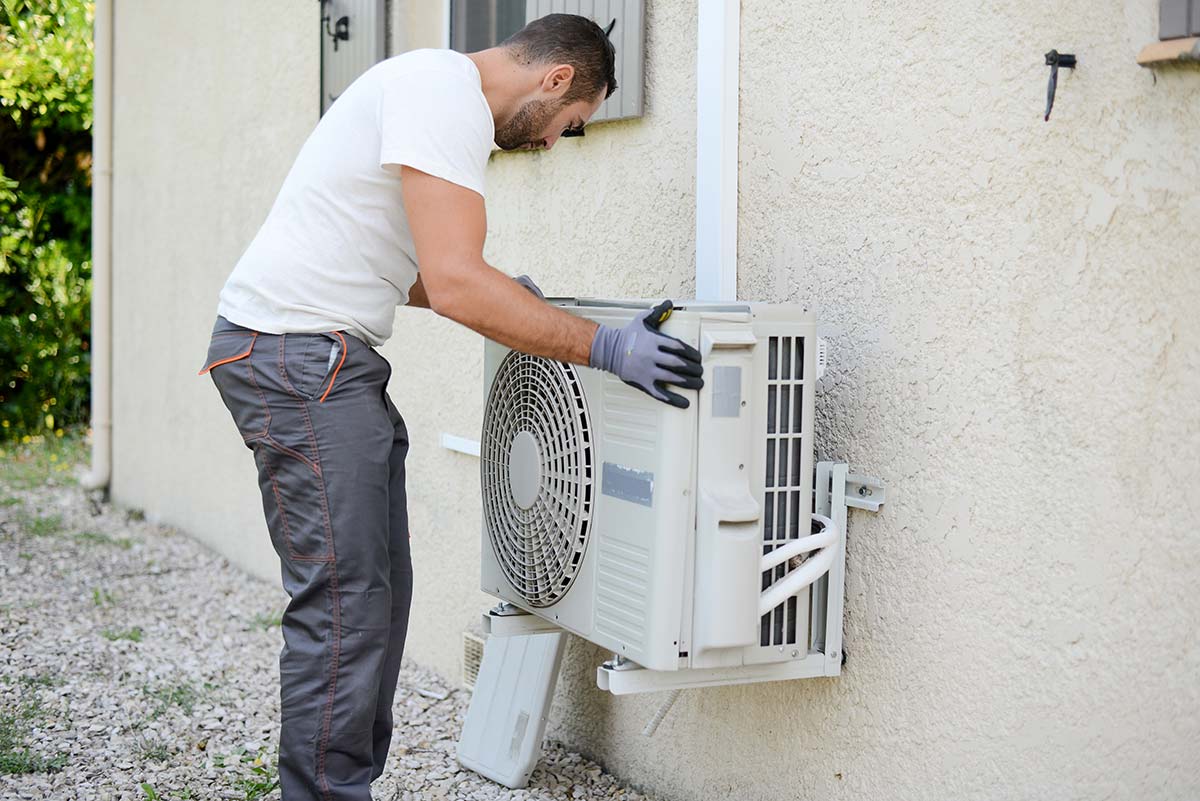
(644, 358)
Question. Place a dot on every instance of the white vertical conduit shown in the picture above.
(717, 149)
(101, 307)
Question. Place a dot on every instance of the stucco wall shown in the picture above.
(1015, 354)
(1013, 350)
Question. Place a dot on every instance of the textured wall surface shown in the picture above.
(1014, 350)
(212, 103)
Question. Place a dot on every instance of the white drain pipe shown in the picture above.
(717, 55)
(101, 307)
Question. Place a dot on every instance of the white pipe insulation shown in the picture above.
(101, 306)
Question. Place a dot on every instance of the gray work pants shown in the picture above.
(330, 447)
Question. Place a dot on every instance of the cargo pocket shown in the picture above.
(295, 503)
(230, 368)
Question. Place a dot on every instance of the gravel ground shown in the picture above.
(136, 664)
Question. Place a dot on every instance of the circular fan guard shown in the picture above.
(539, 545)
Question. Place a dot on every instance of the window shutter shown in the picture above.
(352, 40)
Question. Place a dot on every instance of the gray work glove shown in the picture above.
(644, 358)
(527, 282)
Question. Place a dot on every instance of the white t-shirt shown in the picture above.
(335, 251)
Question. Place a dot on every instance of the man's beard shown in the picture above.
(526, 124)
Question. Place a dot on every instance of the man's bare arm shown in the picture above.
(449, 224)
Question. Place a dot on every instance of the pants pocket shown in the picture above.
(311, 362)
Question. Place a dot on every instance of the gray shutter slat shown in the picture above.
(352, 58)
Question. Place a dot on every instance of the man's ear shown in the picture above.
(558, 80)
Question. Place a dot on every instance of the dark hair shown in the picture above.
(569, 39)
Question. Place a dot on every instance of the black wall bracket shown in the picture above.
(1054, 60)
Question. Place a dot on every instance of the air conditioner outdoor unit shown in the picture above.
(677, 539)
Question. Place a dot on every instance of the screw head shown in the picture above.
(795, 654)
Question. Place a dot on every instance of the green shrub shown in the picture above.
(45, 213)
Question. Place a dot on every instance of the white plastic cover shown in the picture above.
(506, 721)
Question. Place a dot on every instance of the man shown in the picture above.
(391, 178)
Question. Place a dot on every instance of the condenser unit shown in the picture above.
(676, 538)
(684, 541)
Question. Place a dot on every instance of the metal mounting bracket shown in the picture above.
(864, 492)
(509, 620)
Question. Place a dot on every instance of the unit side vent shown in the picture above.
(625, 418)
(784, 507)
(622, 590)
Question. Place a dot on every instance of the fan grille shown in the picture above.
(539, 545)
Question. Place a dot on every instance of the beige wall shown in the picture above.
(212, 102)
(1013, 348)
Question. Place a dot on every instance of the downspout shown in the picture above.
(101, 307)
(717, 149)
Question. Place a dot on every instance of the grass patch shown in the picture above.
(264, 622)
(10, 501)
(15, 727)
(154, 751)
(133, 635)
(151, 794)
(100, 538)
(43, 680)
(180, 694)
(43, 526)
(33, 461)
(103, 597)
(255, 775)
